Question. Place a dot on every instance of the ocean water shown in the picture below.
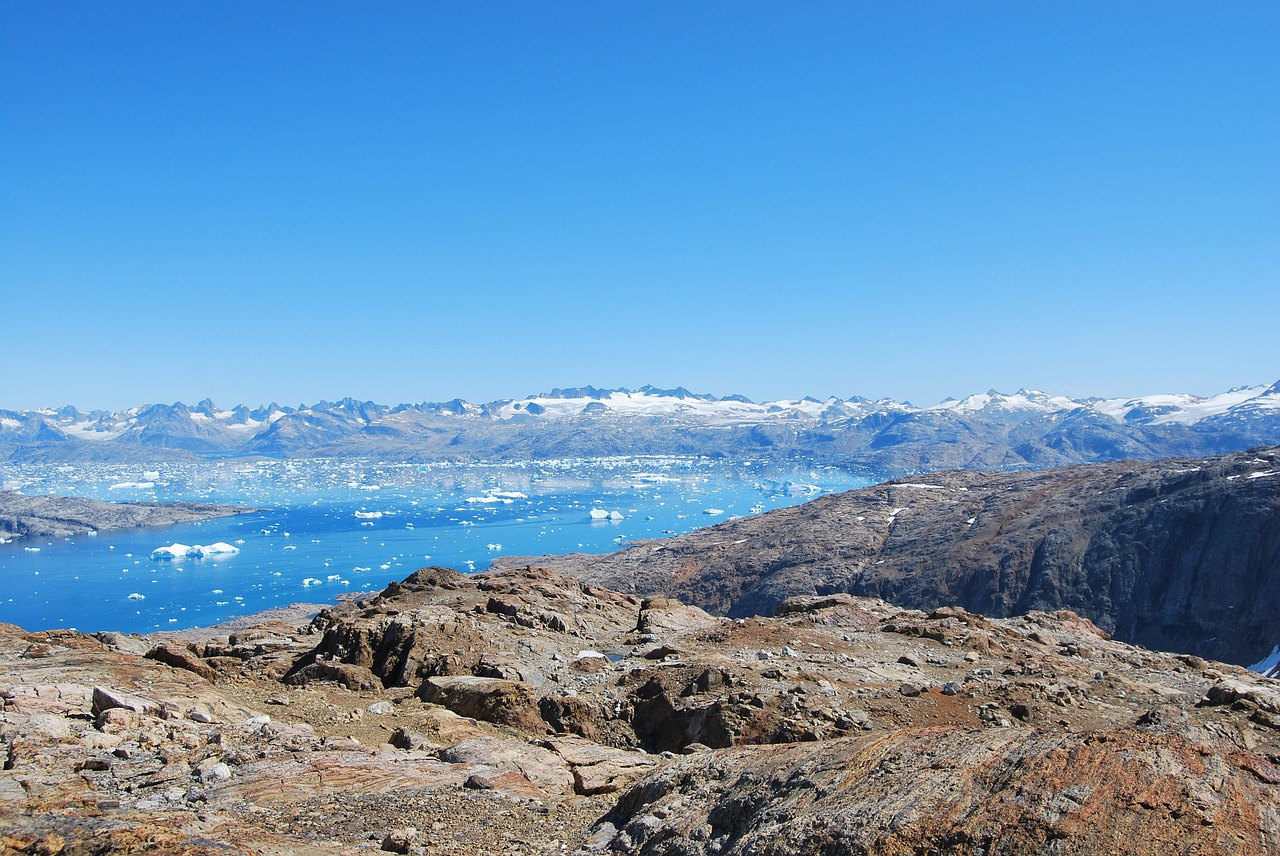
(332, 527)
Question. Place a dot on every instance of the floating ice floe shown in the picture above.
(713, 511)
(369, 515)
(506, 497)
(218, 548)
(311, 581)
(197, 551)
(173, 551)
(136, 596)
(601, 514)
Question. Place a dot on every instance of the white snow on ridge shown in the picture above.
(1023, 399)
(645, 404)
(1185, 409)
(92, 431)
(1269, 665)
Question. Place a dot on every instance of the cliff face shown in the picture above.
(1174, 555)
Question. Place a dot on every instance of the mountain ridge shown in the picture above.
(991, 430)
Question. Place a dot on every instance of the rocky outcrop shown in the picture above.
(495, 700)
(61, 516)
(949, 789)
(843, 725)
(1177, 555)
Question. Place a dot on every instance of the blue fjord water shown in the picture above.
(331, 527)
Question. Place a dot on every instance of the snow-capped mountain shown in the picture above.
(994, 430)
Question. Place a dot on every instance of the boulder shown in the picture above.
(495, 700)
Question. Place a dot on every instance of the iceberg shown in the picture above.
(218, 548)
(198, 551)
(599, 514)
(173, 551)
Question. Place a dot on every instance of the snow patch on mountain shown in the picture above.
(1184, 409)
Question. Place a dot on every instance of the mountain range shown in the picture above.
(991, 430)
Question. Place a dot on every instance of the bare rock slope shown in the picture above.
(528, 712)
(1178, 554)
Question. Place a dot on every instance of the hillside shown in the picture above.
(1176, 554)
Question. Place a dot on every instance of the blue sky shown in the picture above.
(418, 201)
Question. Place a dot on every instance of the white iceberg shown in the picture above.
(218, 548)
(599, 514)
(173, 551)
(136, 596)
(197, 551)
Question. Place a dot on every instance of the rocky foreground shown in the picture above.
(527, 712)
(24, 516)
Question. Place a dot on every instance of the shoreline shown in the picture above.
(53, 516)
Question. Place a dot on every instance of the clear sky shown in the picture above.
(409, 201)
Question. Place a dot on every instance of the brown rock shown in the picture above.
(493, 700)
(400, 840)
(181, 658)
